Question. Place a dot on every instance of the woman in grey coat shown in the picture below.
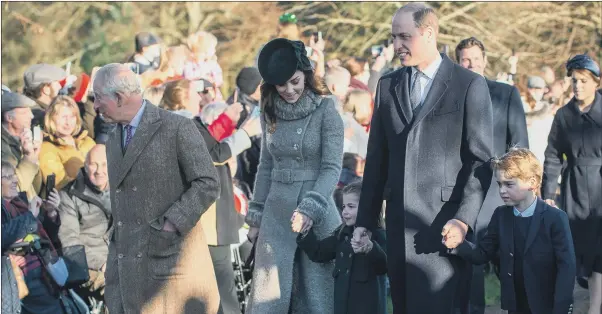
(299, 167)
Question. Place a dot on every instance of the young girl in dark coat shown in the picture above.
(357, 288)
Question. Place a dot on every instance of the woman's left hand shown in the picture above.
(301, 223)
(52, 203)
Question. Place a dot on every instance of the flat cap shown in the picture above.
(41, 74)
(11, 101)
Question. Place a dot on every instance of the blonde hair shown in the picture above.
(154, 94)
(519, 163)
(201, 42)
(175, 95)
(54, 108)
(356, 99)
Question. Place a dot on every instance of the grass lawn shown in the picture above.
(492, 292)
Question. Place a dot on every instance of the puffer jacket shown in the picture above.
(85, 219)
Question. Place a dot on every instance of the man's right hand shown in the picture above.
(30, 148)
(253, 234)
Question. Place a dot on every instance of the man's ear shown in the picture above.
(120, 96)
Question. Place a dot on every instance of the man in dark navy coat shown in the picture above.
(509, 129)
(430, 140)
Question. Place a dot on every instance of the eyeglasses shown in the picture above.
(288, 18)
(10, 176)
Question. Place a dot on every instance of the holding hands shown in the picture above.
(454, 233)
(361, 243)
(300, 222)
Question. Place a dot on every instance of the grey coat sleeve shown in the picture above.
(517, 121)
(263, 181)
(198, 170)
(238, 142)
(476, 150)
(69, 229)
(315, 201)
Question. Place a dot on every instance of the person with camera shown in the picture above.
(24, 237)
(19, 148)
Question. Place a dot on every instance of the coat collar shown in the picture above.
(594, 113)
(536, 220)
(149, 124)
(400, 88)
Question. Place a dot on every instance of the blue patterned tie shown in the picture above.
(128, 135)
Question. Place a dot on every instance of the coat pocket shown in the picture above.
(448, 195)
(164, 254)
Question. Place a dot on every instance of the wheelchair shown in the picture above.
(242, 273)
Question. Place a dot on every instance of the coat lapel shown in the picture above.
(401, 91)
(508, 225)
(114, 149)
(437, 90)
(534, 226)
(149, 124)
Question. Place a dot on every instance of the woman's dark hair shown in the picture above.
(268, 91)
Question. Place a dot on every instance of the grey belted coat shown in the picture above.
(299, 167)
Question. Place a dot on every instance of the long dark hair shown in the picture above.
(314, 83)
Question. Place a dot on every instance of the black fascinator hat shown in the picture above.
(582, 62)
(280, 59)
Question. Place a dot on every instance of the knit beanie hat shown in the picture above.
(248, 80)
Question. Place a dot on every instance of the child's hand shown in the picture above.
(364, 245)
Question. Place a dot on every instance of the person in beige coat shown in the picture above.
(161, 180)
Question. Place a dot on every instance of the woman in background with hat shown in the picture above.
(299, 167)
(577, 134)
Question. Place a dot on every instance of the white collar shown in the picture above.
(431, 69)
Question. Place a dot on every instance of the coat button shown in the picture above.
(119, 223)
(120, 256)
(134, 189)
(138, 221)
(298, 158)
(139, 255)
(511, 254)
(509, 274)
(278, 158)
(299, 130)
(350, 255)
(341, 254)
(296, 146)
(347, 272)
(118, 190)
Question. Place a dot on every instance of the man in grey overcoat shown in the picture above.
(161, 180)
(428, 151)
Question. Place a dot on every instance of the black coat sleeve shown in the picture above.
(476, 150)
(488, 246)
(562, 241)
(318, 251)
(553, 162)
(220, 152)
(376, 170)
(517, 121)
(377, 256)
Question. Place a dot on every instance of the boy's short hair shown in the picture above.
(519, 163)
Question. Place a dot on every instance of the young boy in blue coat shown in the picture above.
(532, 238)
(357, 276)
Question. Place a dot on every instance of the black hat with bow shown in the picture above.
(280, 59)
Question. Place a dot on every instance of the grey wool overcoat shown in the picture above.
(165, 173)
(299, 167)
